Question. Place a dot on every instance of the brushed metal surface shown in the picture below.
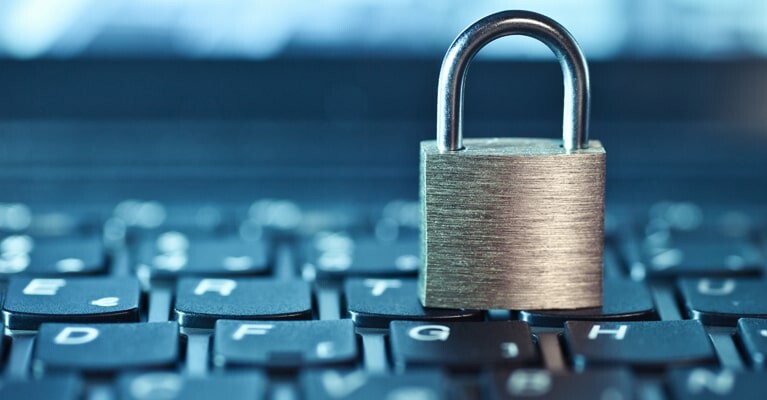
(512, 223)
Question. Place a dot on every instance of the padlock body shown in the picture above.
(512, 223)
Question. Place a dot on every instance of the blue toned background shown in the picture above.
(246, 29)
(327, 100)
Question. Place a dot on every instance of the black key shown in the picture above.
(704, 384)
(30, 302)
(174, 253)
(52, 256)
(461, 345)
(624, 300)
(542, 384)
(649, 345)
(706, 258)
(723, 302)
(373, 303)
(753, 336)
(171, 385)
(106, 347)
(338, 255)
(200, 302)
(51, 387)
(357, 384)
(284, 344)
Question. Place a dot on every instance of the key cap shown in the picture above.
(100, 348)
(404, 214)
(144, 216)
(683, 239)
(52, 256)
(685, 221)
(624, 300)
(722, 302)
(357, 384)
(280, 216)
(461, 345)
(338, 255)
(753, 336)
(30, 302)
(706, 258)
(51, 387)
(373, 303)
(174, 253)
(646, 345)
(18, 218)
(542, 384)
(171, 385)
(705, 383)
(201, 302)
(284, 344)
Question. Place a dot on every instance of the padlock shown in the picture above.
(512, 223)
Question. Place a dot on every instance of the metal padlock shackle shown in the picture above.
(452, 76)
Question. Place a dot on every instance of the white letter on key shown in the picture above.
(705, 287)
(720, 383)
(76, 335)
(379, 286)
(619, 333)
(224, 287)
(528, 383)
(251, 329)
(43, 287)
(429, 333)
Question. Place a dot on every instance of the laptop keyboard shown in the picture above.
(279, 301)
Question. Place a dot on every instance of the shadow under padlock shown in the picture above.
(512, 223)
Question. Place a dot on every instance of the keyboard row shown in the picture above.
(370, 303)
(457, 346)
(336, 256)
(683, 384)
(284, 215)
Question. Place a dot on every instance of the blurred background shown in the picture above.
(325, 100)
(243, 29)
